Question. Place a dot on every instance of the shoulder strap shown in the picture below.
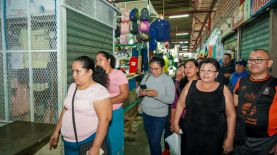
(148, 75)
(259, 95)
(73, 118)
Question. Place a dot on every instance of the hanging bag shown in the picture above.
(84, 148)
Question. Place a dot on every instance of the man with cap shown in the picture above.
(240, 72)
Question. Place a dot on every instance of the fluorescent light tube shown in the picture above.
(179, 16)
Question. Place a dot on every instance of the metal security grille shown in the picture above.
(255, 35)
(96, 9)
(30, 56)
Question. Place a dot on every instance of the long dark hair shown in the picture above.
(99, 75)
(109, 56)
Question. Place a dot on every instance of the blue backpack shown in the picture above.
(134, 15)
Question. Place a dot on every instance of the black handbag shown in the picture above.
(240, 135)
(84, 148)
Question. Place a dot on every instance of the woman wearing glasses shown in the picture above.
(210, 113)
(157, 95)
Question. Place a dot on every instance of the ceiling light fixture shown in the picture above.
(178, 16)
(181, 34)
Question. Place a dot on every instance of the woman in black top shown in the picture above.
(210, 113)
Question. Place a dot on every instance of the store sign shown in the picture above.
(238, 17)
(258, 5)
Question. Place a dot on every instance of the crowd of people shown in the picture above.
(203, 99)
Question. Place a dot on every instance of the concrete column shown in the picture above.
(273, 39)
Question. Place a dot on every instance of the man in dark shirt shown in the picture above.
(261, 120)
(225, 70)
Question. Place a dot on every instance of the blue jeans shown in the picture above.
(70, 148)
(116, 133)
(154, 127)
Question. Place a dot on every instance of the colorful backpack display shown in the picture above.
(134, 15)
(134, 28)
(125, 15)
(144, 15)
(144, 26)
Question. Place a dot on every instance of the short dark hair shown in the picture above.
(99, 74)
(228, 54)
(108, 56)
(212, 61)
(157, 59)
(193, 61)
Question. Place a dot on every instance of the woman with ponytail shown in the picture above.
(119, 91)
(92, 109)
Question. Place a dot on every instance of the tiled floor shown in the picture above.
(136, 141)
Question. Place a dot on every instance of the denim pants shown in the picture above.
(116, 132)
(154, 127)
(70, 148)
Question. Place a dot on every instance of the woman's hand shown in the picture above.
(94, 151)
(176, 128)
(227, 145)
(54, 139)
(151, 92)
(142, 92)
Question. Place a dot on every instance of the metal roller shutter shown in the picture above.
(85, 36)
(255, 35)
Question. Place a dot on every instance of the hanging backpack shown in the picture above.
(144, 26)
(144, 36)
(134, 28)
(123, 39)
(144, 15)
(134, 15)
(125, 15)
(124, 28)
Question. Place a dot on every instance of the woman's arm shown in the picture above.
(180, 107)
(103, 110)
(124, 92)
(231, 120)
(54, 139)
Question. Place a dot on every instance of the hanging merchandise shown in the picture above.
(123, 39)
(144, 26)
(134, 28)
(152, 44)
(160, 30)
(144, 37)
(134, 15)
(144, 54)
(144, 15)
(125, 15)
(124, 27)
(135, 52)
(133, 63)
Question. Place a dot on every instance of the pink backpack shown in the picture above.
(125, 15)
(124, 27)
(144, 26)
(123, 39)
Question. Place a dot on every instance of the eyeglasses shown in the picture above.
(207, 71)
(256, 61)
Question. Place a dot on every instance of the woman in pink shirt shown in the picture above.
(92, 108)
(119, 90)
